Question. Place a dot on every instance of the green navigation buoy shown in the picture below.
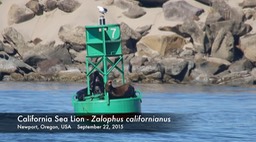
(102, 42)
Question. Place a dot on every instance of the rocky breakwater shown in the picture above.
(198, 42)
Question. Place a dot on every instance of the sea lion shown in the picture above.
(123, 91)
(96, 86)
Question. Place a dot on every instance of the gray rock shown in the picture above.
(35, 6)
(236, 28)
(15, 39)
(47, 51)
(128, 33)
(223, 46)
(72, 35)
(50, 66)
(200, 39)
(134, 11)
(7, 66)
(50, 5)
(10, 65)
(237, 79)
(143, 30)
(247, 46)
(150, 69)
(180, 10)
(199, 77)
(129, 38)
(211, 67)
(241, 65)
(68, 5)
(18, 14)
(231, 20)
(174, 66)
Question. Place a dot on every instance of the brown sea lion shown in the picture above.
(123, 91)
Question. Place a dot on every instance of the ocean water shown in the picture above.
(211, 113)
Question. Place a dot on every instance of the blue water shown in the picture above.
(211, 113)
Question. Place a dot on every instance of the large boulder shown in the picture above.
(50, 5)
(159, 45)
(198, 76)
(231, 19)
(248, 47)
(73, 35)
(190, 29)
(10, 65)
(68, 5)
(223, 46)
(175, 68)
(180, 10)
(15, 39)
(18, 14)
(153, 72)
(42, 52)
(200, 39)
(134, 11)
(237, 29)
(50, 66)
(212, 66)
(237, 79)
(35, 6)
(241, 65)
(129, 38)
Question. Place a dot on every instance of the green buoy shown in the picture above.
(102, 42)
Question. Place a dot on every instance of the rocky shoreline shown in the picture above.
(219, 49)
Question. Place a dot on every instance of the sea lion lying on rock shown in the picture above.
(123, 91)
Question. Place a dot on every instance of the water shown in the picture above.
(211, 113)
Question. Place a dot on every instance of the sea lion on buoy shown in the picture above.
(96, 86)
(123, 91)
